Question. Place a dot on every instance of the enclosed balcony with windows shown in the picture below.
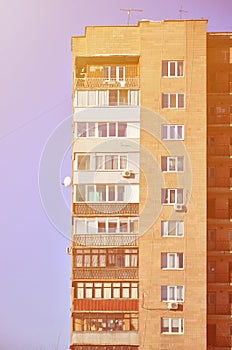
(107, 263)
(100, 231)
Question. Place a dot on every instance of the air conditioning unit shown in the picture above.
(69, 250)
(179, 207)
(127, 173)
(172, 306)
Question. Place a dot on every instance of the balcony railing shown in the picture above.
(107, 273)
(102, 83)
(102, 240)
(106, 304)
(101, 209)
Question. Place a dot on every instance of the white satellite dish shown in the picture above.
(67, 181)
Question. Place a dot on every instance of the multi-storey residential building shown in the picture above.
(219, 76)
(139, 199)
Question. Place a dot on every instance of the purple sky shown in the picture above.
(35, 88)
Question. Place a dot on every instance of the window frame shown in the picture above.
(170, 325)
(172, 261)
(177, 68)
(132, 224)
(170, 130)
(172, 196)
(166, 163)
(173, 100)
(169, 290)
(178, 228)
(88, 128)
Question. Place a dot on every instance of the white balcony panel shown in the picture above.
(104, 177)
(102, 144)
(106, 114)
(105, 338)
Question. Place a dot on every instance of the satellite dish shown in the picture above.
(67, 181)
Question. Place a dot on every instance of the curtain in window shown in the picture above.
(164, 293)
(100, 193)
(79, 260)
(99, 162)
(90, 193)
(94, 260)
(179, 292)
(164, 100)
(134, 260)
(180, 199)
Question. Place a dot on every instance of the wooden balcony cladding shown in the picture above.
(105, 240)
(105, 273)
(222, 120)
(102, 209)
(220, 309)
(106, 305)
(220, 182)
(220, 151)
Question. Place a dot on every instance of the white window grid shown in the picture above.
(123, 225)
(172, 261)
(96, 98)
(100, 161)
(172, 293)
(172, 164)
(172, 196)
(92, 129)
(173, 100)
(172, 228)
(172, 132)
(173, 69)
(172, 325)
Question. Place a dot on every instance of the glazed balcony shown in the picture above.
(105, 273)
(217, 246)
(105, 240)
(222, 120)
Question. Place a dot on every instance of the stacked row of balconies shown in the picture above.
(105, 219)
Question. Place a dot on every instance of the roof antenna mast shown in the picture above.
(129, 12)
(181, 11)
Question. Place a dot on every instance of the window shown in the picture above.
(172, 228)
(173, 100)
(101, 193)
(172, 164)
(114, 73)
(172, 325)
(172, 68)
(106, 225)
(173, 261)
(106, 129)
(172, 132)
(105, 322)
(172, 195)
(172, 293)
(113, 97)
(106, 257)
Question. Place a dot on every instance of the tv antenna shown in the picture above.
(181, 11)
(129, 13)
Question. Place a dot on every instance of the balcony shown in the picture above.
(106, 305)
(102, 338)
(102, 83)
(102, 209)
(105, 273)
(105, 240)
